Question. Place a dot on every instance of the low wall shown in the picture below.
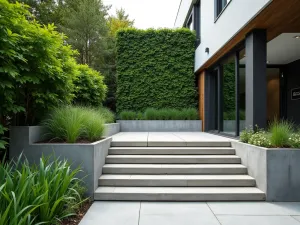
(91, 157)
(160, 125)
(111, 129)
(276, 171)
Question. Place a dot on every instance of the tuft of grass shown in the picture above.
(107, 115)
(189, 114)
(151, 114)
(72, 123)
(280, 133)
(128, 115)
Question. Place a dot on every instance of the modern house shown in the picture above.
(247, 61)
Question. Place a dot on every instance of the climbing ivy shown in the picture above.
(155, 68)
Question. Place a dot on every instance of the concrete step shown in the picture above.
(179, 194)
(175, 159)
(174, 169)
(171, 151)
(176, 180)
(167, 143)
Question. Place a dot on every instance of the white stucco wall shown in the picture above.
(214, 35)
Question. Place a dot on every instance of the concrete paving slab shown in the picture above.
(259, 220)
(112, 213)
(297, 218)
(164, 139)
(164, 213)
(134, 139)
(253, 208)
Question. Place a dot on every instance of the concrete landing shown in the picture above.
(169, 139)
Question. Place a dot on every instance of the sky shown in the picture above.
(148, 13)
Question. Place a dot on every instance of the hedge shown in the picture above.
(155, 68)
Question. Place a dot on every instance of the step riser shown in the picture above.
(178, 197)
(170, 144)
(170, 152)
(173, 161)
(176, 183)
(174, 170)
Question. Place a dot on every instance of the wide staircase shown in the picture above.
(209, 172)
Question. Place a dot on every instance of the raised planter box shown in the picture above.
(91, 157)
(160, 125)
(276, 171)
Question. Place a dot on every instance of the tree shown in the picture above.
(115, 23)
(85, 25)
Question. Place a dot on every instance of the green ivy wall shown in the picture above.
(155, 69)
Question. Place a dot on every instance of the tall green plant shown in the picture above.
(280, 133)
(38, 194)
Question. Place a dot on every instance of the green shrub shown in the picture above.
(72, 123)
(280, 133)
(151, 114)
(3, 143)
(38, 194)
(246, 135)
(89, 87)
(189, 114)
(155, 68)
(294, 140)
(260, 138)
(230, 115)
(128, 115)
(37, 68)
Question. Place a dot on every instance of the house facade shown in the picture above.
(247, 61)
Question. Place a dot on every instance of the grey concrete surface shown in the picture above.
(197, 213)
(111, 129)
(276, 171)
(160, 125)
(91, 157)
(229, 125)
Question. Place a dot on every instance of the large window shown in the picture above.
(219, 6)
(193, 22)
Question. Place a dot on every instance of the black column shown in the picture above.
(210, 101)
(256, 79)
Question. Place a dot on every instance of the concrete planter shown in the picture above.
(160, 125)
(111, 129)
(276, 170)
(91, 157)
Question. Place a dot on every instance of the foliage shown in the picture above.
(246, 135)
(36, 67)
(294, 140)
(280, 133)
(90, 88)
(228, 87)
(38, 194)
(116, 22)
(128, 115)
(161, 114)
(3, 143)
(84, 22)
(155, 69)
(107, 115)
(230, 115)
(260, 138)
(73, 123)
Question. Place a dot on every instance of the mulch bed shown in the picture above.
(75, 220)
(57, 141)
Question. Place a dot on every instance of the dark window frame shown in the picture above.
(220, 6)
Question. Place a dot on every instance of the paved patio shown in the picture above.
(202, 213)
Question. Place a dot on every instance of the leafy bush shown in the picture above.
(260, 138)
(246, 135)
(280, 133)
(89, 87)
(38, 194)
(230, 115)
(3, 143)
(155, 69)
(72, 123)
(36, 67)
(294, 140)
(128, 115)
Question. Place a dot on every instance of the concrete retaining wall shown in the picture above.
(276, 171)
(160, 125)
(111, 129)
(91, 157)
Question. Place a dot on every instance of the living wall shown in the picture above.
(155, 68)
